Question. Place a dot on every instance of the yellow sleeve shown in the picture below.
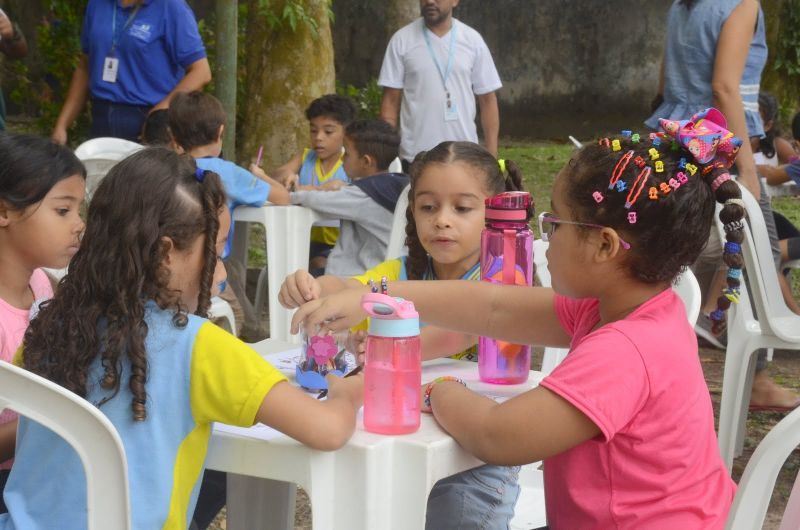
(228, 380)
(18, 359)
(390, 269)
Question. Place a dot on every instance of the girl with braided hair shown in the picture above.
(120, 333)
(624, 424)
(449, 185)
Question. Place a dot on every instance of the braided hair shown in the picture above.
(474, 156)
(666, 215)
(150, 197)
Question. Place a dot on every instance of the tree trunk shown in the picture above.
(286, 70)
(399, 13)
(777, 82)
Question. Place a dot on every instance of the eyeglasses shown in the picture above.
(548, 223)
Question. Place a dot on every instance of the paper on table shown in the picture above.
(284, 361)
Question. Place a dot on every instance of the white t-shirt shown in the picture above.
(408, 65)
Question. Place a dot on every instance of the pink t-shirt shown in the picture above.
(656, 464)
(13, 323)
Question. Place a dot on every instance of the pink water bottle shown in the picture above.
(507, 258)
(392, 366)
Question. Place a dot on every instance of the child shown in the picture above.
(624, 424)
(155, 131)
(365, 207)
(449, 185)
(196, 121)
(41, 192)
(120, 334)
(320, 168)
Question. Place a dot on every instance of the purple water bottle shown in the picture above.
(507, 258)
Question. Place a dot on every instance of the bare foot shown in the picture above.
(766, 393)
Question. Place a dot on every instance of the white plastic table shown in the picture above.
(375, 481)
(288, 235)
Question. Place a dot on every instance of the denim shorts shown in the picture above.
(480, 498)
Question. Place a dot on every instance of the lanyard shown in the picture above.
(444, 75)
(114, 33)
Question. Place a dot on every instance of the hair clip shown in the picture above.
(717, 182)
(734, 273)
(734, 226)
(621, 186)
(674, 184)
(675, 146)
(653, 153)
(632, 218)
(616, 145)
(682, 163)
(626, 133)
(502, 164)
(597, 196)
(635, 138)
(638, 186)
(665, 189)
(619, 169)
(604, 141)
(732, 248)
(653, 193)
(656, 141)
(707, 169)
(659, 166)
(682, 178)
(200, 174)
(691, 168)
(652, 136)
(639, 161)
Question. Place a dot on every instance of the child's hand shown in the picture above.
(291, 182)
(257, 171)
(356, 344)
(298, 288)
(336, 312)
(333, 185)
(351, 388)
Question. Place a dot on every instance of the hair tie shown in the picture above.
(738, 202)
(717, 315)
(732, 248)
(734, 226)
(717, 182)
(502, 164)
(734, 273)
(200, 174)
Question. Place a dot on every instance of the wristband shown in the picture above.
(426, 400)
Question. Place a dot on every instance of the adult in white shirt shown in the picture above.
(432, 72)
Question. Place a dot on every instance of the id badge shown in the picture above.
(450, 111)
(110, 68)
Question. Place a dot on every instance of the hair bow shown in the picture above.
(705, 136)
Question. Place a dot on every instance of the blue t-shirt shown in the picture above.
(196, 375)
(242, 187)
(793, 170)
(153, 48)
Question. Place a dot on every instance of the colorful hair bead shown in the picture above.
(732, 248)
(653, 153)
(717, 182)
(682, 178)
(597, 196)
(653, 193)
(616, 145)
(691, 168)
(659, 166)
(734, 273)
(626, 133)
(635, 138)
(632, 218)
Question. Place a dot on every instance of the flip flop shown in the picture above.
(774, 408)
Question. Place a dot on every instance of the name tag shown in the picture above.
(110, 69)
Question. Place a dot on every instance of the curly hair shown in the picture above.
(671, 227)
(339, 108)
(467, 153)
(149, 201)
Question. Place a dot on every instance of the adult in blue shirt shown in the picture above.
(136, 55)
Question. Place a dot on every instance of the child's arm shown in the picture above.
(522, 315)
(775, 175)
(784, 150)
(346, 204)
(278, 194)
(8, 438)
(530, 427)
(324, 425)
(300, 287)
(437, 342)
(290, 169)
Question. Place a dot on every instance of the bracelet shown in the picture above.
(426, 400)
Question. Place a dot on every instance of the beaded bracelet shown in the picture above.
(426, 400)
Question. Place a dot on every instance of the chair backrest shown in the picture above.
(397, 238)
(687, 287)
(762, 275)
(87, 430)
(99, 155)
(755, 487)
(396, 166)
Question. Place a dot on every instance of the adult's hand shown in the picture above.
(59, 135)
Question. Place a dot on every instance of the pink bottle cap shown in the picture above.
(509, 206)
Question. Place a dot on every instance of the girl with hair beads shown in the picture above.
(120, 333)
(41, 191)
(449, 185)
(624, 424)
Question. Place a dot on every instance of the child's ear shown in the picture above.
(5, 213)
(609, 245)
(370, 162)
(167, 248)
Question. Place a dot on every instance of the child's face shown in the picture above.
(353, 163)
(48, 233)
(448, 208)
(327, 137)
(186, 266)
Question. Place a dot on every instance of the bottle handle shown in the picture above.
(380, 305)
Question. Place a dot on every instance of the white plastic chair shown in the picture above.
(99, 155)
(396, 166)
(772, 326)
(87, 430)
(397, 238)
(222, 309)
(755, 487)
